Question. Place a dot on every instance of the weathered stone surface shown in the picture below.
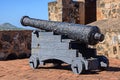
(108, 9)
(15, 44)
(111, 45)
(83, 11)
(79, 11)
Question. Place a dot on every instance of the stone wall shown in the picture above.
(55, 13)
(111, 45)
(108, 9)
(15, 44)
(64, 10)
(79, 11)
(83, 11)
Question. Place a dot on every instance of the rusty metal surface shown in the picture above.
(84, 34)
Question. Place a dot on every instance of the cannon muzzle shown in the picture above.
(85, 34)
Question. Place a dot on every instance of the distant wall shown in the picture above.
(108, 9)
(15, 44)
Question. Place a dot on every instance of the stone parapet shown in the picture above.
(15, 44)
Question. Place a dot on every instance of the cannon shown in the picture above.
(61, 42)
(85, 34)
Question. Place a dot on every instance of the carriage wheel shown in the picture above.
(77, 66)
(33, 61)
(104, 62)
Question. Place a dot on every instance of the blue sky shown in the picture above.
(12, 10)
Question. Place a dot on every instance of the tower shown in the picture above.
(79, 11)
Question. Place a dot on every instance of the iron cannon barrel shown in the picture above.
(85, 34)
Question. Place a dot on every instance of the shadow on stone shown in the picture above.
(22, 55)
(11, 57)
